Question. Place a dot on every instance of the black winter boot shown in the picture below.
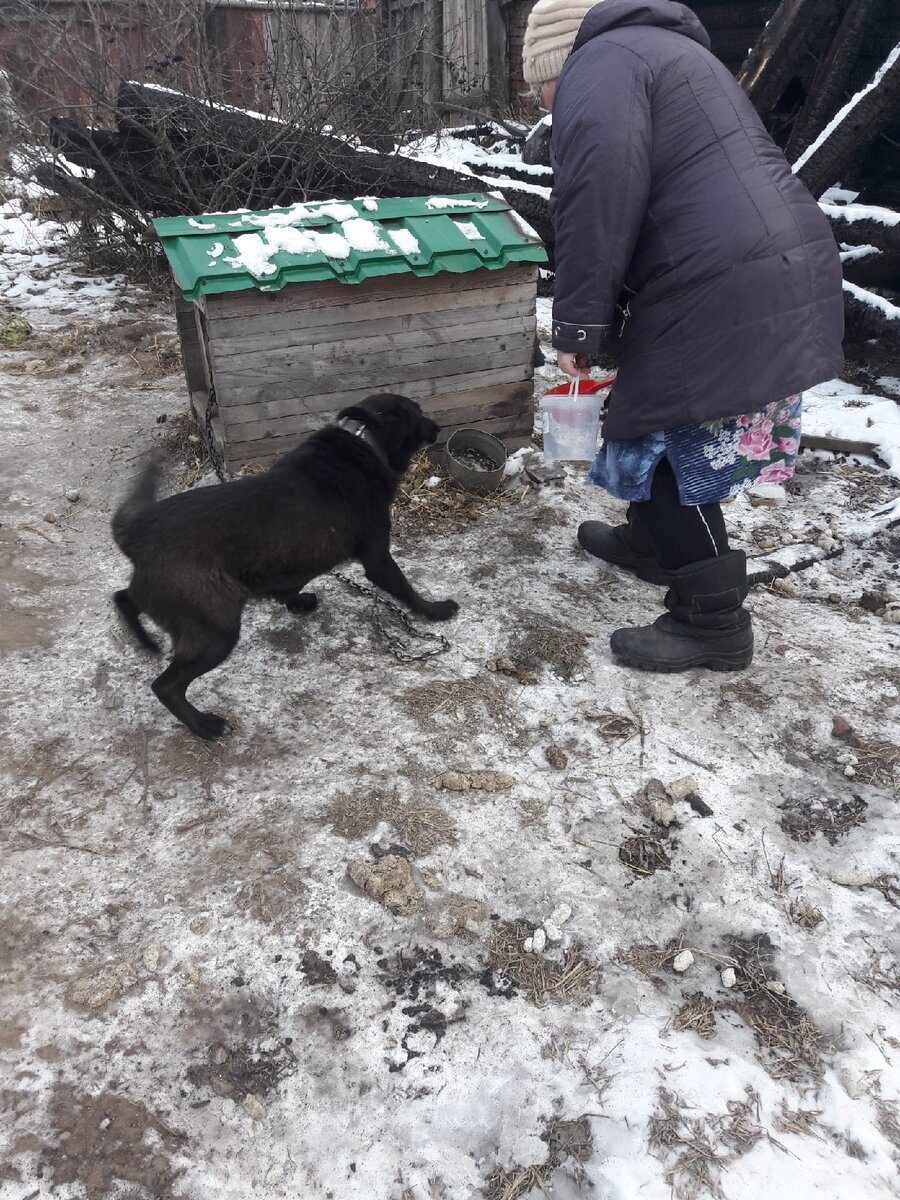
(706, 625)
(625, 546)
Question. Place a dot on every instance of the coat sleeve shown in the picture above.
(601, 146)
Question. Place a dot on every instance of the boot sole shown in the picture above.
(719, 662)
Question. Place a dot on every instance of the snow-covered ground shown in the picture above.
(197, 1001)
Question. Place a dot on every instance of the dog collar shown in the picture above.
(360, 429)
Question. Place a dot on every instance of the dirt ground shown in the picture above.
(202, 998)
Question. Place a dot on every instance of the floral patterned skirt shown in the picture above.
(711, 461)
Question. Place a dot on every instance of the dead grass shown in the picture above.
(804, 914)
(540, 978)
(878, 763)
(802, 817)
(790, 1043)
(747, 693)
(533, 811)
(613, 725)
(517, 1182)
(875, 761)
(881, 975)
(887, 885)
(888, 1122)
(802, 1121)
(543, 644)
(696, 1149)
(644, 854)
(183, 442)
(697, 1014)
(423, 827)
(418, 504)
(648, 958)
(569, 1144)
(352, 815)
(466, 704)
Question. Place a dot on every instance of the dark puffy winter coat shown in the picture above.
(685, 247)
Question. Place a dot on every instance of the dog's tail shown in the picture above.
(141, 496)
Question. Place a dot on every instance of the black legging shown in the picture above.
(680, 533)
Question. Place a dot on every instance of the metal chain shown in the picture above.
(212, 449)
(395, 644)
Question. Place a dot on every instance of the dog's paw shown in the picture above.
(209, 726)
(303, 602)
(441, 610)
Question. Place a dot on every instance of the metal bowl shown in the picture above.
(475, 459)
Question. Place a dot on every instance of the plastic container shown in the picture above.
(570, 419)
(475, 459)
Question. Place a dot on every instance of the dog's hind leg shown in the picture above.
(132, 616)
(194, 656)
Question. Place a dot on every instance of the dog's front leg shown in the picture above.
(381, 569)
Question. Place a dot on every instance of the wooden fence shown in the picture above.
(66, 57)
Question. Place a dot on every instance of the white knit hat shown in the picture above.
(549, 36)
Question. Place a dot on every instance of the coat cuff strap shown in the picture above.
(577, 339)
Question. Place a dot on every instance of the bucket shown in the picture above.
(475, 459)
(570, 418)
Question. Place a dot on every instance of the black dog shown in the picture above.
(200, 556)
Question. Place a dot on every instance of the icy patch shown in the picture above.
(470, 231)
(195, 224)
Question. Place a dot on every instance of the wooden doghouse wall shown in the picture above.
(284, 362)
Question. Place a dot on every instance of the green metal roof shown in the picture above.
(347, 240)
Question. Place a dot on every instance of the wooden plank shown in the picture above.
(350, 324)
(414, 346)
(839, 445)
(503, 428)
(192, 357)
(358, 305)
(318, 294)
(469, 406)
(427, 392)
(267, 450)
(450, 392)
(385, 371)
(509, 405)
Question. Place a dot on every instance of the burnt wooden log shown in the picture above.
(781, 49)
(843, 143)
(260, 164)
(830, 84)
(851, 226)
(173, 154)
(870, 317)
(873, 268)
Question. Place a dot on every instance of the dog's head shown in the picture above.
(398, 424)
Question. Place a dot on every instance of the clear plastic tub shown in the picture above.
(570, 419)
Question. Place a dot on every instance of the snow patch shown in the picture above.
(405, 242)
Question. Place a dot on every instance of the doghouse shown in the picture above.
(289, 315)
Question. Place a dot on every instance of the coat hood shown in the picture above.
(662, 14)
